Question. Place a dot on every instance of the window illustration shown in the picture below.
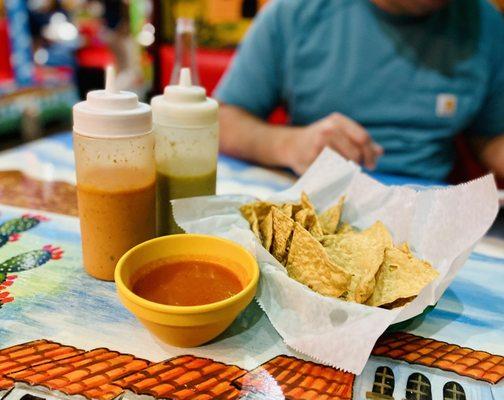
(453, 391)
(418, 388)
(383, 386)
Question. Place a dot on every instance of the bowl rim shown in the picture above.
(181, 310)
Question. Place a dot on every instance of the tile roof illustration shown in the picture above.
(103, 374)
(291, 378)
(184, 377)
(24, 355)
(414, 349)
(89, 374)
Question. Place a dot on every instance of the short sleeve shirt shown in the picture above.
(413, 82)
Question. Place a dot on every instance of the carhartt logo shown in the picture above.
(446, 105)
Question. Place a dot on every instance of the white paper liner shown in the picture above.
(441, 226)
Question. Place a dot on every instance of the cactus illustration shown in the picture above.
(4, 239)
(10, 230)
(8, 238)
(21, 224)
(24, 262)
(29, 260)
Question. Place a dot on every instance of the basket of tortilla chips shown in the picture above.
(335, 259)
(343, 256)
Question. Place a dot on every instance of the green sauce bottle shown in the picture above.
(186, 130)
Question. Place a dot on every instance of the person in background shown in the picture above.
(385, 83)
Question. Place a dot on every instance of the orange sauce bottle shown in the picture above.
(116, 176)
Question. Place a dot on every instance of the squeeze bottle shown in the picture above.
(116, 174)
(186, 131)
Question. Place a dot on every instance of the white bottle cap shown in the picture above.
(111, 113)
(184, 105)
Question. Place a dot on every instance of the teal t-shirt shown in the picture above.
(414, 83)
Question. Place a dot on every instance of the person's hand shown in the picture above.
(338, 132)
(490, 153)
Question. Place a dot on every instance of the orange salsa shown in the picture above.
(185, 283)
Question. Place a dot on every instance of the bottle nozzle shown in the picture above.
(110, 78)
(185, 77)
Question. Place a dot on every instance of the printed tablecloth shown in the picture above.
(65, 334)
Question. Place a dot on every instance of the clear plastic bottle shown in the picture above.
(187, 143)
(115, 165)
(185, 50)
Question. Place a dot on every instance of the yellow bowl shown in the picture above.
(187, 326)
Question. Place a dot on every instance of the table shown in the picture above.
(79, 341)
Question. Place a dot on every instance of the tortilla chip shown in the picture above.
(360, 254)
(306, 202)
(287, 209)
(329, 219)
(400, 277)
(345, 228)
(404, 247)
(303, 218)
(316, 229)
(250, 215)
(308, 220)
(309, 264)
(266, 229)
(380, 232)
(260, 208)
(310, 214)
(282, 230)
(296, 207)
(254, 213)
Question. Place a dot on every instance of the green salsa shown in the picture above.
(171, 187)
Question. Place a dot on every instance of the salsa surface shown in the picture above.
(186, 283)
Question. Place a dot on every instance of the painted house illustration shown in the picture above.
(406, 366)
(403, 367)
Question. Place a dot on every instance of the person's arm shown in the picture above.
(490, 153)
(243, 135)
(487, 129)
(246, 136)
(254, 86)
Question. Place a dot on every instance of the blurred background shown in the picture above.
(54, 51)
